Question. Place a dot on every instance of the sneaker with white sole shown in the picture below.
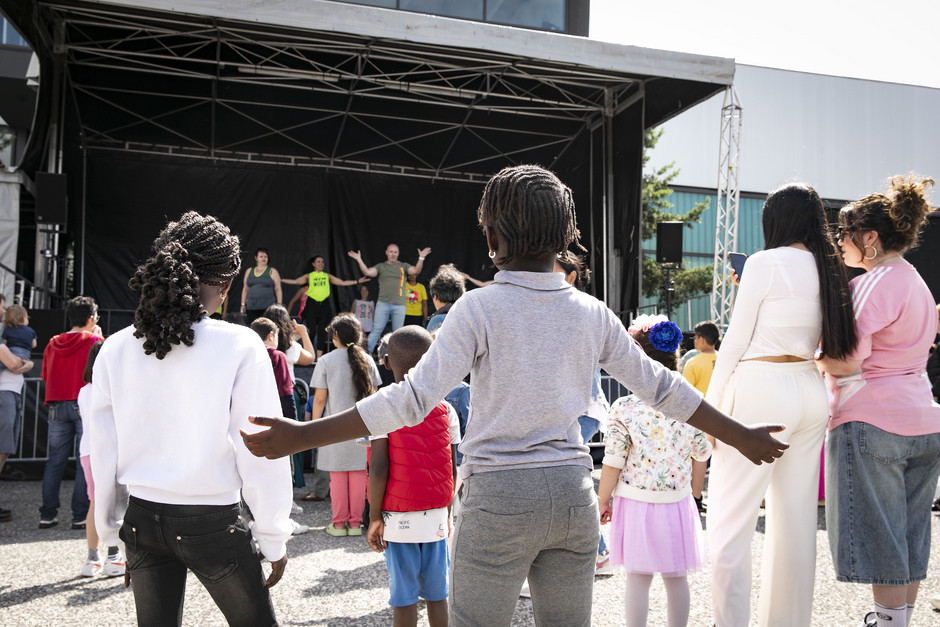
(114, 565)
(525, 592)
(297, 528)
(295, 508)
(47, 523)
(91, 568)
(935, 601)
(603, 566)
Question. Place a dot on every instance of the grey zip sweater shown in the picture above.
(530, 343)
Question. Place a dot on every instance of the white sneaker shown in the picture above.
(91, 568)
(603, 566)
(114, 565)
(935, 601)
(525, 589)
(297, 528)
(295, 508)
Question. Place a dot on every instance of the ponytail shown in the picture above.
(349, 332)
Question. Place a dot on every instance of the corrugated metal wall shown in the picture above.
(698, 247)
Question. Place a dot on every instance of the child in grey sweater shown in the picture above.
(531, 343)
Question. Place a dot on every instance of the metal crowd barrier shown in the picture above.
(34, 438)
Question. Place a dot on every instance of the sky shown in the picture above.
(885, 40)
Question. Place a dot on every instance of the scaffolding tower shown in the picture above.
(726, 219)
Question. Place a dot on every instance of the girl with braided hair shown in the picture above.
(169, 396)
(531, 343)
(883, 446)
(342, 377)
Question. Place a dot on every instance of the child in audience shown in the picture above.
(698, 372)
(647, 468)
(114, 564)
(19, 337)
(267, 329)
(411, 485)
(531, 345)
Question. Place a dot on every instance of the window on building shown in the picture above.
(9, 36)
(542, 14)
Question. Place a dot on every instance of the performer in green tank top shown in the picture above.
(316, 311)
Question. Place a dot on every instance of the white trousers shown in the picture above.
(791, 394)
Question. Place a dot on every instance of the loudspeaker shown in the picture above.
(51, 199)
(669, 242)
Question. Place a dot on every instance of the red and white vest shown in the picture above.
(420, 470)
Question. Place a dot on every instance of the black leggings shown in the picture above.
(316, 316)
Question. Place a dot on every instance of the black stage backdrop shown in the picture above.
(293, 212)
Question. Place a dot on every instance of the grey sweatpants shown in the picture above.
(538, 522)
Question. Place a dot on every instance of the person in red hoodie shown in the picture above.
(411, 483)
(63, 362)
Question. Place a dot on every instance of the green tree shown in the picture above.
(688, 282)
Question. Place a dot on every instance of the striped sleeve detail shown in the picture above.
(865, 286)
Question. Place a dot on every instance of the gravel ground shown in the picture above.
(328, 581)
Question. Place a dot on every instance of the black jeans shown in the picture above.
(163, 541)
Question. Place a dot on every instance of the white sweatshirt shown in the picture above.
(168, 429)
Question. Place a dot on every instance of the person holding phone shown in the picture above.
(737, 264)
(795, 295)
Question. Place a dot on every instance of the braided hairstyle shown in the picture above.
(532, 210)
(897, 216)
(194, 250)
(347, 329)
(793, 214)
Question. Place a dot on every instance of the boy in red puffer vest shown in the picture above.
(411, 482)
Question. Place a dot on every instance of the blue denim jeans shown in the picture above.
(383, 313)
(213, 541)
(879, 488)
(65, 430)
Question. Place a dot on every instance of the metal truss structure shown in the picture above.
(175, 84)
(726, 218)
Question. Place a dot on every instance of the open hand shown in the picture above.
(282, 438)
(355, 254)
(423, 252)
(761, 447)
(364, 279)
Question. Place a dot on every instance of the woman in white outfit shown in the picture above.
(793, 294)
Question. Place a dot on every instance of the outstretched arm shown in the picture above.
(754, 442)
(476, 282)
(284, 437)
(301, 280)
(418, 267)
(337, 281)
(366, 271)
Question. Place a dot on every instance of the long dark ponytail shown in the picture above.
(349, 333)
(195, 249)
(794, 214)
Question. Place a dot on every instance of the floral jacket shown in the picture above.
(653, 452)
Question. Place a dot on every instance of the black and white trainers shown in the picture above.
(45, 524)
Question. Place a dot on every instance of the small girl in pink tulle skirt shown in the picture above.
(648, 471)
